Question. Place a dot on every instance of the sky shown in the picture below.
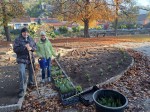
(143, 2)
(140, 3)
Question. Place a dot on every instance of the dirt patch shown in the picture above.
(9, 85)
(88, 67)
(9, 77)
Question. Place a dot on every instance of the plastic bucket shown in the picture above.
(42, 63)
(109, 93)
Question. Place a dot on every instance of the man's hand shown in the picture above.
(28, 47)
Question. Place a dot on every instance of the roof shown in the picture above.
(55, 24)
(49, 21)
(22, 19)
(71, 24)
(45, 20)
(32, 19)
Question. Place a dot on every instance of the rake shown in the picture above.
(37, 88)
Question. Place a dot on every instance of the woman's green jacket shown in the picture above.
(45, 49)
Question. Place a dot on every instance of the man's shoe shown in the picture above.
(49, 79)
(31, 84)
(21, 94)
(43, 81)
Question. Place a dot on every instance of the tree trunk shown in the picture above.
(116, 26)
(7, 33)
(116, 20)
(86, 28)
(5, 25)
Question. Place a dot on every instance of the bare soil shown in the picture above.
(9, 77)
(88, 67)
(9, 85)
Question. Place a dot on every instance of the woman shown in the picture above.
(45, 51)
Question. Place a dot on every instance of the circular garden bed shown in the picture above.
(90, 66)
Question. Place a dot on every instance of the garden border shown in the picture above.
(113, 79)
(13, 107)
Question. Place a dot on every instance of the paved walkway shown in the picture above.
(141, 47)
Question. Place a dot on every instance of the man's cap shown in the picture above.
(24, 30)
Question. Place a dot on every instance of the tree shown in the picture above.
(8, 11)
(37, 8)
(130, 13)
(126, 10)
(35, 29)
(116, 2)
(29, 5)
(84, 11)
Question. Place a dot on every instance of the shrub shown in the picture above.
(75, 29)
(56, 32)
(63, 29)
(99, 27)
(52, 34)
(15, 31)
(33, 28)
(13, 37)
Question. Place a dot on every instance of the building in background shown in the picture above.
(18, 23)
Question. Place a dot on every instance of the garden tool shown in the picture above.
(37, 88)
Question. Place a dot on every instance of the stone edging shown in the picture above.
(117, 77)
(13, 107)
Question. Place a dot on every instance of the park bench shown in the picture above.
(100, 33)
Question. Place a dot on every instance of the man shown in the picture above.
(23, 45)
(45, 52)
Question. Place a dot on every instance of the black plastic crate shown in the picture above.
(70, 101)
(86, 97)
(69, 98)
